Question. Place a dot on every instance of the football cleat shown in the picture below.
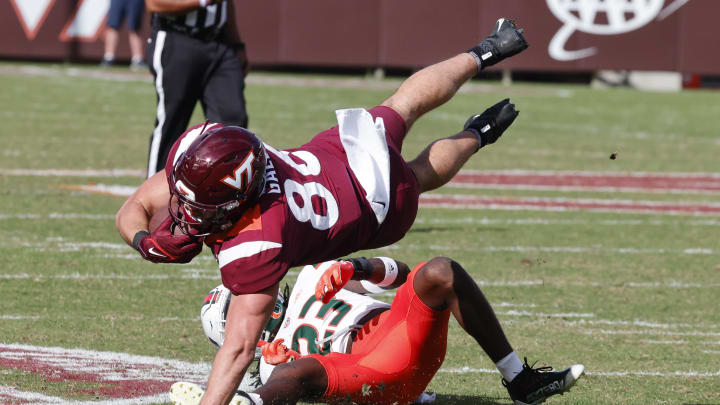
(503, 42)
(187, 393)
(535, 385)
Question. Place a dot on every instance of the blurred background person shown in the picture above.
(119, 10)
(195, 53)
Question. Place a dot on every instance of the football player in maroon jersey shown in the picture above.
(262, 210)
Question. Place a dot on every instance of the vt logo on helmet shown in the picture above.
(219, 176)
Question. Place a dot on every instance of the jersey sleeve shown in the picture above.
(251, 265)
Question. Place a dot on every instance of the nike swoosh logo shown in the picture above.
(154, 252)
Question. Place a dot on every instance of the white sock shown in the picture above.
(109, 56)
(255, 398)
(509, 366)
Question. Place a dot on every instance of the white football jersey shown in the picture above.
(313, 327)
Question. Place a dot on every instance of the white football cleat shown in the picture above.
(187, 393)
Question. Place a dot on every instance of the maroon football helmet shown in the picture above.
(216, 179)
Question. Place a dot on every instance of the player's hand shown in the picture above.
(162, 246)
(276, 353)
(491, 124)
(503, 42)
(333, 280)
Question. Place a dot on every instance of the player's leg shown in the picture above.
(177, 63)
(434, 85)
(114, 20)
(442, 159)
(303, 379)
(223, 98)
(443, 283)
(136, 10)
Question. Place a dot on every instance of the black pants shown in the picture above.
(186, 70)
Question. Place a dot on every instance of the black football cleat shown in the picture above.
(503, 42)
(534, 385)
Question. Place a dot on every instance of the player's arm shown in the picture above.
(362, 276)
(134, 215)
(246, 317)
(175, 6)
(434, 85)
(162, 245)
(381, 274)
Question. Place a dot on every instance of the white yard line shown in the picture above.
(189, 275)
(579, 222)
(637, 373)
(60, 216)
(648, 332)
(74, 172)
(557, 249)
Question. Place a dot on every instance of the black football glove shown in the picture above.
(503, 42)
(491, 124)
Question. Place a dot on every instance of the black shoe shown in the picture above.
(534, 386)
(107, 62)
(138, 66)
(503, 42)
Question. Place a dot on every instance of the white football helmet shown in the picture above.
(214, 311)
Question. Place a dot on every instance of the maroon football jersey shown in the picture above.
(313, 210)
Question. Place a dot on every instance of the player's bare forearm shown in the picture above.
(246, 317)
(171, 6)
(431, 87)
(135, 213)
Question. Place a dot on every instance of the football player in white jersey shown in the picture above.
(335, 342)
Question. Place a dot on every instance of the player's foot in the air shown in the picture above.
(187, 393)
(534, 385)
(503, 42)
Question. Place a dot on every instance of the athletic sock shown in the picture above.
(109, 56)
(509, 366)
(255, 398)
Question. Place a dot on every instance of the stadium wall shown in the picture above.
(667, 35)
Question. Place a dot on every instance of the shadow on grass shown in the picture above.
(443, 399)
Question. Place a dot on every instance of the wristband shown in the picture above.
(138, 238)
(363, 268)
(391, 272)
(203, 3)
(479, 55)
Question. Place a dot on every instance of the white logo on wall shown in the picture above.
(85, 23)
(621, 16)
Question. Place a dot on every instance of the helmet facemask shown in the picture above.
(198, 219)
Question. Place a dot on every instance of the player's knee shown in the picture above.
(286, 372)
(438, 272)
(306, 376)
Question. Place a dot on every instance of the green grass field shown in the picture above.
(634, 297)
